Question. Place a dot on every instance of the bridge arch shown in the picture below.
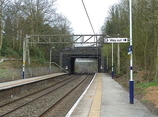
(69, 55)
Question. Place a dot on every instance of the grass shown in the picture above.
(147, 84)
(144, 101)
(140, 87)
(3, 72)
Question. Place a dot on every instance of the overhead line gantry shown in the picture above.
(51, 39)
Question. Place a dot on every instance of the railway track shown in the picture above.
(58, 109)
(41, 102)
(86, 70)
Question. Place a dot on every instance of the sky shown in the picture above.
(75, 13)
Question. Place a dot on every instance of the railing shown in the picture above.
(60, 67)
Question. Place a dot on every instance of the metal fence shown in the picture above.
(15, 74)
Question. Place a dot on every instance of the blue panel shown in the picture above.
(23, 75)
(112, 74)
(131, 92)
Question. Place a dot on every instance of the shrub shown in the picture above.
(8, 52)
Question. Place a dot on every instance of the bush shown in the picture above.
(41, 60)
(8, 52)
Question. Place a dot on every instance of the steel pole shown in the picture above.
(112, 61)
(24, 57)
(23, 66)
(118, 58)
(50, 61)
(131, 82)
(107, 61)
(50, 54)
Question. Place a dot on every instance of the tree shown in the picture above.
(145, 28)
(32, 17)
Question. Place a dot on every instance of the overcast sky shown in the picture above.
(74, 11)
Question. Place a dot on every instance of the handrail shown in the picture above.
(60, 67)
(9, 59)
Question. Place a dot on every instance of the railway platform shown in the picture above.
(106, 98)
(20, 82)
(11, 89)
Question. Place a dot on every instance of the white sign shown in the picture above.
(66, 67)
(116, 40)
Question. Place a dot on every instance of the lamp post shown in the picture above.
(24, 58)
(131, 82)
(50, 57)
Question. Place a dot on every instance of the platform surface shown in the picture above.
(106, 98)
(10, 84)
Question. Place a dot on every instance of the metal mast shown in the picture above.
(1, 26)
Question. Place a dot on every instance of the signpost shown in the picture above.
(116, 40)
(112, 61)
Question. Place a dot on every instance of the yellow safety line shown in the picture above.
(96, 104)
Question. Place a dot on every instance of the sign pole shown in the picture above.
(107, 62)
(112, 61)
(131, 82)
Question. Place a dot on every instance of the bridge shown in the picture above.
(69, 55)
(90, 47)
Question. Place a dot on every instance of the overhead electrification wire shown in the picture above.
(88, 16)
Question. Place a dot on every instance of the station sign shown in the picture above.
(116, 40)
(130, 50)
